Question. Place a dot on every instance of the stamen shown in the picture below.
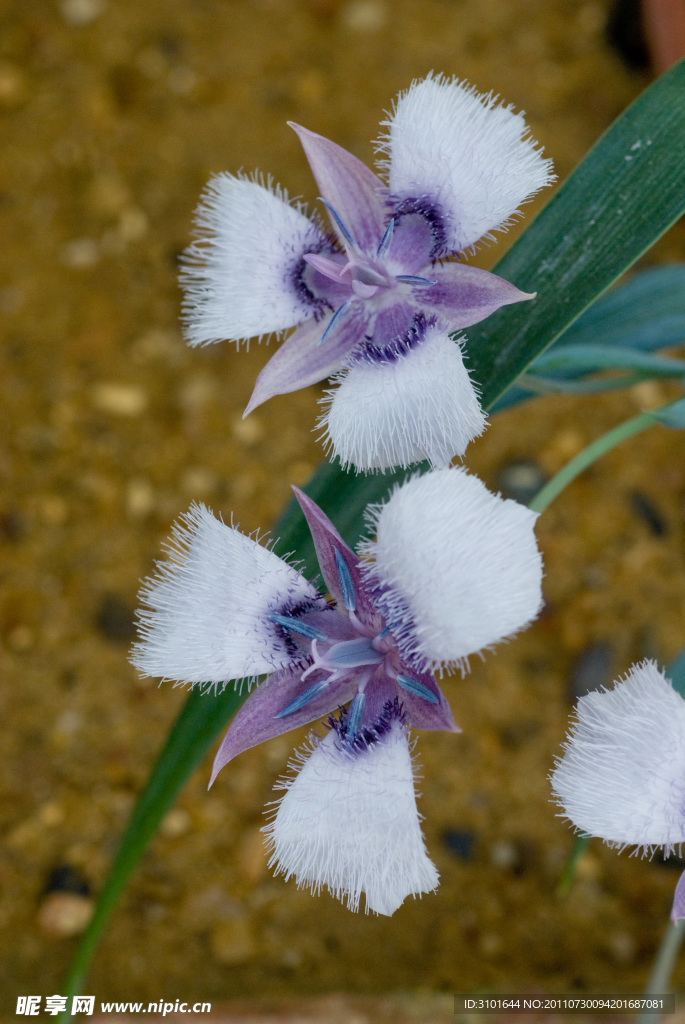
(295, 626)
(339, 311)
(355, 715)
(414, 279)
(304, 698)
(344, 230)
(416, 688)
(385, 241)
(348, 595)
(351, 654)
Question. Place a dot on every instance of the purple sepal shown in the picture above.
(678, 908)
(423, 714)
(256, 720)
(302, 360)
(464, 295)
(349, 187)
(326, 540)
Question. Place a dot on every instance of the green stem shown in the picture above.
(594, 451)
(200, 720)
(571, 864)
(660, 978)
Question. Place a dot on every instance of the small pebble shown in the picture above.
(115, 619)
(63, 914)
(592, 669)
(518, 856)
(81, 12)
(66, 907)
(520, 479)
(459, 842)
(644, 509)
(66, 878)
(625, 32)
(80, 253)
(364, 15)
(176, 823)
(119, 399)
(140, 497)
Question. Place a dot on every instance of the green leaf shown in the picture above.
(671, 415)
(627, 191)
(617, 203)
(676, 673)
(646, 313)
(201, 719)
(606, 357)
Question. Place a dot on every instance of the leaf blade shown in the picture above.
(588, 234)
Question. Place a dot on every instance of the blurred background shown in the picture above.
(113, 115)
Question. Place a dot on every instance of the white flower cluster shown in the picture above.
(378, 301)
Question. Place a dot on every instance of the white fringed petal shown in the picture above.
(455, 567)
(421, 406)
(622, 777)
(240, 275)
(468, 155)
(348, 821)
(209, 605)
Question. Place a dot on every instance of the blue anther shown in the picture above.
(344, 230)
(295, 626)
(348, 595)
(355, 715)
(383, 632)
(339, 311)
(309, 694)
(417, 688)
(385, 241)
(413, 279)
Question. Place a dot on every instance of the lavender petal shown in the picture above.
(464, 295)
(327, 541)
(349, 187)
(257, 719)
(302, 360)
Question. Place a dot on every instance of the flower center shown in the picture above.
(366, 275)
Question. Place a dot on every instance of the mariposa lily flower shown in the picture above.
(375, 298)
(452, 569)
(622, 776)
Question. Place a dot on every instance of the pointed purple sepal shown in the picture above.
(678, 908)
(327, 541)
(423, 712)
(462, 296)
(346, 184)
(261, 717)
(303, 360)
